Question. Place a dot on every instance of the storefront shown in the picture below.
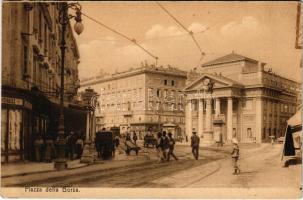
(24, 115)
(16, 125)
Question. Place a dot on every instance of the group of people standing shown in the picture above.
(165, 146)
(74, 146)
(44, 148)
(134, 138)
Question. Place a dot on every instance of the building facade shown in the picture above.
(31, 75)
(253, 103)
(139, 99)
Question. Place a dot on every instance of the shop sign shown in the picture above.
(14, 101)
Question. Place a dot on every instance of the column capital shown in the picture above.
(188, 100)
(208, 101)
(230, 98)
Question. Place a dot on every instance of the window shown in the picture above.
(45, 39)
(129, 106)
(172, 82)
(4, 120)
(249, 133)
(165, 82)
(25, 59)
(158, 93)
(14, 126)
(34, 70)
(165, 94)
(40, 24)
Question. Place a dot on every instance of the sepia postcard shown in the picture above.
(149, 100)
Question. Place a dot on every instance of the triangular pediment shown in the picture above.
(218, 80)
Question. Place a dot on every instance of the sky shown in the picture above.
(263, 31)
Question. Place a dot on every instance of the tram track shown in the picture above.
(218, 167)
(136, 175)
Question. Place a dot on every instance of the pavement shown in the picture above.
(262, 174)
(261, 167)
(25, 168)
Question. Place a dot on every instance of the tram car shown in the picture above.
(105, 145)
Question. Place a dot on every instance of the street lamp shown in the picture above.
(64, 17)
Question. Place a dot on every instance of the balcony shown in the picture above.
(127, 113)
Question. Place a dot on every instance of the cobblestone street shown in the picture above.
(258, 170)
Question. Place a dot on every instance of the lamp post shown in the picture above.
(64, 17)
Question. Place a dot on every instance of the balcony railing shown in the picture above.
(128, 113)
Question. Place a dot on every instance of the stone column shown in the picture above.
(208, 115)
(218, 109)
(267, 119)
(188, 119)
(278, 119)
(87, 156)
(200, 117)
(273, 118)
(259, 119)
(229, 119)
(87, 137)
(239, 120)
(208, 133)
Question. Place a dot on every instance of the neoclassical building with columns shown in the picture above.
(253, 102)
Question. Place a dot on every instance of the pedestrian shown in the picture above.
(79, 146)
(235, 156)
(71, 142)
(135, 138)
(195, 142)
(171, 147)
(165, 145)
(38, 148)
(49, 149)
(116, 141)
(159, 148)
(127, 138)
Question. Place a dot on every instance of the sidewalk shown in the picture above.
(24, 168)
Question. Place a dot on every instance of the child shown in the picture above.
(235, 156)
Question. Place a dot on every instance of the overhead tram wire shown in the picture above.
(122, 35)
(188, 31)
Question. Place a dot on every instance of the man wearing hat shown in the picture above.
(171, 147)
(195, 141)
(235, 156)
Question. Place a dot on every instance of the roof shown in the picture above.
(170, 71)
(233, 57)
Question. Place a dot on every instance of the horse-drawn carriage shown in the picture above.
(150, 139)
(105, 144)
